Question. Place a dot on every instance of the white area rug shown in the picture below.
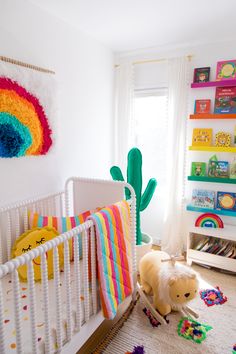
(165, 340)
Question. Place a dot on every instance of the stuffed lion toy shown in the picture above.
(172, 285)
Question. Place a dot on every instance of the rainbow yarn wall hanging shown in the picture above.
(209, 220)
(24, 127)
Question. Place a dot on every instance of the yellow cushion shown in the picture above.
(32, 239)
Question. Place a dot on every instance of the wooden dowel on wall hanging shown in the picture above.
(29, 66)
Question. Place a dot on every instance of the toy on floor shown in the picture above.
(193, 330)
(213, 296)
(154, 322)
(172, 285)
(137, 350)
(234, 349)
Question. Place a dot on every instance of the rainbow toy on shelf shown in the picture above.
(24, 128)
(209, 220)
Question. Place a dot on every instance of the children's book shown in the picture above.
(226, 201)
(206, 246)
(218, 169)
(198, 169)
(202, 106)
(201, 244)
(223, 248)
(225, 100)
(213, 247)
(226, 69)
(233, 169)
(201, 74)
(202, 137)
(202, 198)
(223, 139)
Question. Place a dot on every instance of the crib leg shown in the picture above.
(150, 306)
(184, 313)
(191, 312)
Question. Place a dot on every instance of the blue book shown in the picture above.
(226, 201)
(202, 198)
(218, 169)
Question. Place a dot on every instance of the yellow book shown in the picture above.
(202, 137)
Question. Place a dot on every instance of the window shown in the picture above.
(150, 136)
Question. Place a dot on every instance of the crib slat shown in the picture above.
(61, 205)
(44, 276)
(48, 206)
(77, 281)
(34, 208)
(93, 270)
(42, 207)
(9, 232)
(68, 289)
(54, 205)
(25, 219)
(85, 274)
(58, 297)
(17, 310)
(32, 300)
(17, 223)
(2, 334)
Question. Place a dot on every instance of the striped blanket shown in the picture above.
(112, 226)
(61, 224)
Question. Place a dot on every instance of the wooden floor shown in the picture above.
(103, 329)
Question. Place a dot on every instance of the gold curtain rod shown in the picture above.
(153, 61)
(30, 66)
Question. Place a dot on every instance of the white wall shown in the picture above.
(156, 75)
(84, 71)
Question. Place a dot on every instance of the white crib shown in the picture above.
(62, 312)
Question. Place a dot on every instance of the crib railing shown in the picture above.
(91, 192)
(86, 230)
(14, 219)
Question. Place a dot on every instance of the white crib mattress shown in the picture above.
(9, 322)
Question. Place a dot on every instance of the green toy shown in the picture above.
(134, 177)
(193, 330)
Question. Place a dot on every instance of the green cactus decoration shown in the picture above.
(134, 177)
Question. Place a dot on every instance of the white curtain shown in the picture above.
(178, 68)
(124, 93)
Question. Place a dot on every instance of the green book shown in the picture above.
(233, 170)
(198, 169)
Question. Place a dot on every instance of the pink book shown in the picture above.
(226, 70)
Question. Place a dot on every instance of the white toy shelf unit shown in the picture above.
(216, 245)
